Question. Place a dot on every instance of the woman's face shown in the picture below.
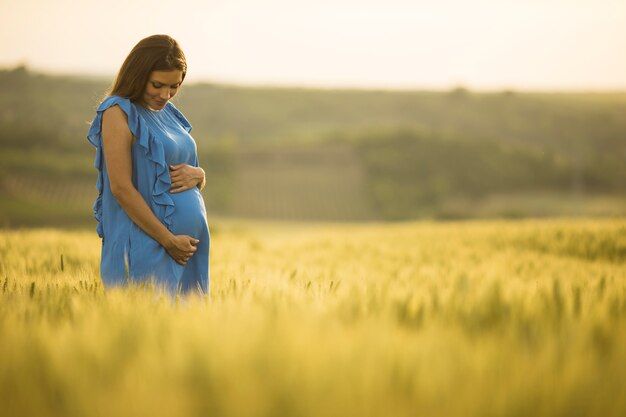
(161, 86)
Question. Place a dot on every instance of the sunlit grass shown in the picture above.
(478, 318)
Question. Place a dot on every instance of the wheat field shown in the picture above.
(481, 318)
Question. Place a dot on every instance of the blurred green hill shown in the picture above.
(314, 154)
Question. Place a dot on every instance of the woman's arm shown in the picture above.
(116, 141)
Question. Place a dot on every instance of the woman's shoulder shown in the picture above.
(121, 113)
(118, 113)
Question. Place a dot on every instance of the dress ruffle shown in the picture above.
(153, 150)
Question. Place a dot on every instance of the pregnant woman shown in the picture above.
(151, 216)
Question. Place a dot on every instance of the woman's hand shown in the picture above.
(181, 248)
(184, 177)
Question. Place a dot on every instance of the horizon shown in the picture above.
(99, 77)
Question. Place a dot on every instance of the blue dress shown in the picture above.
(128, 254)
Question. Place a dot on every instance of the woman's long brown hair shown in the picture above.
(154, 53)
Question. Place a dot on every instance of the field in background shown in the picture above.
(512, 318)
(343, 155)
(325, 182)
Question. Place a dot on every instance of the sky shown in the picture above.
(437, 44)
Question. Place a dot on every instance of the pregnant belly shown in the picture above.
(190, 215)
